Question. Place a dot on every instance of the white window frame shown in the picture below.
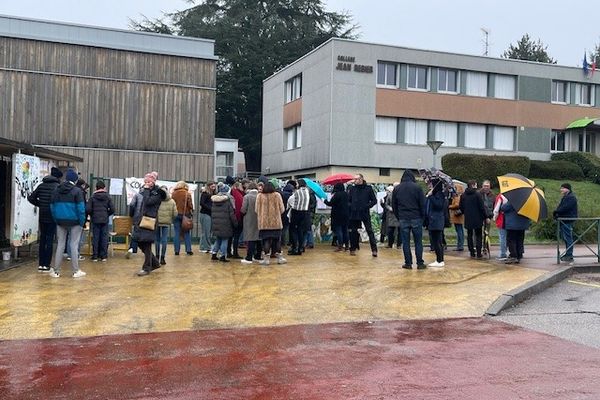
(456, 81)
(510, 80)
(293, 88)
(579, 90)
(417, 135)
(292, 138)
(565, 92)
(475, 131)
(554, 142)
(470, 91)
(496, 140)
(386, 130)
(447, 132)
(427, 76)
(219, 166)
(396, 69)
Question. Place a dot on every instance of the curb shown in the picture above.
(536, 286)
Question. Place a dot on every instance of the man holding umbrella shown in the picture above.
(361, 198)
(567, 208)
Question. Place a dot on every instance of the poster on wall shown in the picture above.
(23, 215)
(133, 186)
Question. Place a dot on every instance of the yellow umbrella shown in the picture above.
(521, 192)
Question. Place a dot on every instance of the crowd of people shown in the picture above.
(267, 218)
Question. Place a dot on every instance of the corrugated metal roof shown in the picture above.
(120, 39)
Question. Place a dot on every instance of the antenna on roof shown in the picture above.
(486, 41)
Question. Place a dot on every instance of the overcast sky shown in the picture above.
(452, 26)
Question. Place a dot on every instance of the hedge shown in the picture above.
(559, 170)
(589, 163)
(479, 167)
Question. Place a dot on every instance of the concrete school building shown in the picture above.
(125, 102)
(350, 106)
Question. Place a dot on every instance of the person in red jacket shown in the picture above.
(237, 194)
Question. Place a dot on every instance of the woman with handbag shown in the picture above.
(182, 223)
(457, 218)
(144, 230)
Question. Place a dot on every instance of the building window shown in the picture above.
(475, 136)
(559, 92)
(386, 130)
(293, 88)
(477, 84)
(504, 87)
(293, 137)
(583, 94)
(557, 142)
(386, 74)
(415, 131)
(585, 142)
(447, 80)
(504, 138)
(384, 172)
(224, 163)
(417, 77)
(447, 132)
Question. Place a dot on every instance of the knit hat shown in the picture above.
(151, 176)
(71, 176)
(223, 189)
(55, 172)
(229, 180)
(566, 186)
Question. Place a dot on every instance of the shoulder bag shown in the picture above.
(187, 224)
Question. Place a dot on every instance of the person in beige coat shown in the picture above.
(166, 214)
(269, 207)
(457, 218)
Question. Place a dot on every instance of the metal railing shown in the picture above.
(591, 223)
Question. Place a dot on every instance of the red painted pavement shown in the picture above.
(438, 359)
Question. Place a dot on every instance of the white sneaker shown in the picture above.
(129, 253)
(79, 274)
(436, 264)
(53, 273)
(244, 261)
(264, 262)
(81, 258)
(68, 258)
(281, 260)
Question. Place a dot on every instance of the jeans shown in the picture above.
(99, 241)
(566, 232)
(187, 236)
(309, 238)
(438, 245)
(355, 237)
(478, 241)
(205, 235)
(150, 260)
(298, 229)
(502, 238)
(61, 235)
(160, 244)
(460, 236)
(234, 243)
(416, 227)
(47, 234)
(220, 245)
(341, 233)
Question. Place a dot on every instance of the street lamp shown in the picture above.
(435, 145)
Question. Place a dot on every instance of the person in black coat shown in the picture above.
(340, 213)
(286, 193)
(152, 197)
(40, 198)
(408, 204)
(361, 198)
(471, 204)
(99, 207)
(437, 206)
(567, 208)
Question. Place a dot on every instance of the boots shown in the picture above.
(214, 257)
(162, 261)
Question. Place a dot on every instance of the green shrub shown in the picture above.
(480, 167)
(560, 170)
(589, 163)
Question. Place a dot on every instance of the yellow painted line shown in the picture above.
(584, 283)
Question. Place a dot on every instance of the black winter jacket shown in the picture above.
(471, 204)
(150, 204)
(99, 207)
(205, 203)
(408, 199)
(41, 197)
(361, 198)
(340, 209)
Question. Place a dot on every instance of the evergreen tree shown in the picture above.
(527, 49)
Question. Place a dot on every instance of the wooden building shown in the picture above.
(126, 102)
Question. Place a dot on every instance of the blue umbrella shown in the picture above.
(319, 192)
